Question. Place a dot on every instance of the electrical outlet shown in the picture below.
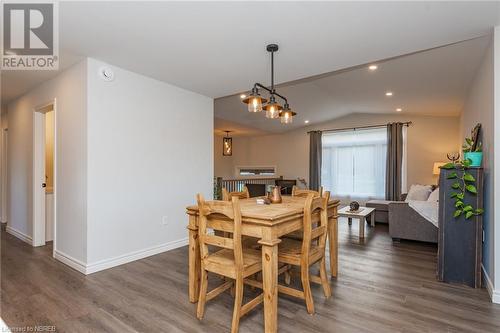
(164, 220)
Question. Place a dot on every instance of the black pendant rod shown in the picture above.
(271, 48)
(272, 72)
(270, 91)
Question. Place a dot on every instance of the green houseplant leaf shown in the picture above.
(456, 186)
(468, 215)
(468, 177)
(467, 208)
(452, 175)
(471, 188)
(457, 213)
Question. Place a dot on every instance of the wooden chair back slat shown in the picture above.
(296, 192)
(213, 210)
(318, 232)
(226, 196)
(224, 242)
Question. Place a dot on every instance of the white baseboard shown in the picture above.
(22, 236)
(70, 261)
(494, 294)
(136, 255)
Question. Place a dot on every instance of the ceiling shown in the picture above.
(433, 82)
(218, 48)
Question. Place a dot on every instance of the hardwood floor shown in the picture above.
(381, 288)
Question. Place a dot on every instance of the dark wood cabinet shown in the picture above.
(460, 239)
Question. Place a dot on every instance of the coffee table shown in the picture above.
(361, 214)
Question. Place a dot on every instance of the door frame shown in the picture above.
(38, 177)
(4, 176)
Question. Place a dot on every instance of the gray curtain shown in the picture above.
(315, 160)
(393, 172)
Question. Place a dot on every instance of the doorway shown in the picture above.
(44, 157)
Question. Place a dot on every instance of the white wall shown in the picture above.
(429, 139)
(496, 180)
(150, 150)
(478, 108)
(69, 89)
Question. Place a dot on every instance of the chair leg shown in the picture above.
(203, 294)
(324, 278)
(306, 286)
(238, 299)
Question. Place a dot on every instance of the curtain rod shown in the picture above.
(408, 123)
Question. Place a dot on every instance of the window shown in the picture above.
(256, 171)
(354, 163)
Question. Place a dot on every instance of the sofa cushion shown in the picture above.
(434, 195)
(419, 192)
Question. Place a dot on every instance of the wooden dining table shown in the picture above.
(267, 223)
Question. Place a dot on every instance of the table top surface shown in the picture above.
(362, 212)
(291, 206)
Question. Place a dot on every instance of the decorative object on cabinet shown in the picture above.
(473, 148)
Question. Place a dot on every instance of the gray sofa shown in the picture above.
(404, 221)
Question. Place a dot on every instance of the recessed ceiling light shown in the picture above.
(399, 109)
(306, 121)
(243, 96)
(372, 67)
(389, 93)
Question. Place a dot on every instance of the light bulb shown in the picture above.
(272, 112)
(287, 117)
(255, 104)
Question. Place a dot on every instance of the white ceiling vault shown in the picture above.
(433, 82)
(218, 48)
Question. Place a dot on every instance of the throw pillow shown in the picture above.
(419, 192)
(434, 195)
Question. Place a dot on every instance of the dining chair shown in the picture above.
(231, 260)
(308, 251)
(226, 195)
(297, 192)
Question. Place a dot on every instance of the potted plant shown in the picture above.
(464, 183)
(473, 148)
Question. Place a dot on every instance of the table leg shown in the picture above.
(349, 220)
(270, 283)
(372, 218)
(362, 222)
(333, 234)
(194, 260)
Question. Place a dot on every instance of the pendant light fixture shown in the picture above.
(256, 103)
(287, 115)
(227, 145)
